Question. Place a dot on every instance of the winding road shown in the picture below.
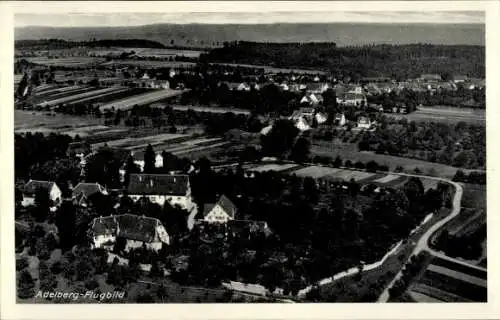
(423, 242)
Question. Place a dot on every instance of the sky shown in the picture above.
(110, 19)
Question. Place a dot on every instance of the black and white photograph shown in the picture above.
(217, 157)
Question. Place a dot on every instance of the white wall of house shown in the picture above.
(100, 240)
(134, 244)
(162, 234)
(217, 215)
(55, 194)
(28, 201)
(184, 202)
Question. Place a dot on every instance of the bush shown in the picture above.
(348, 163)
(21, 264)
(359, 165)
(372, 166)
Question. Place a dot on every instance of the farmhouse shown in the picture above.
(32, 186)
(84, 190)
(158, 188)
(138, 231)
(220, 212)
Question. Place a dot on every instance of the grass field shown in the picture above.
(153, 52)
(351, 153)
(33, 120)
(210, 109)
(445, 114)
(273, 167)
(65, 62)
(151, 63)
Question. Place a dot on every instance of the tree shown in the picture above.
(130, 168)
(21, 264)
(25, 285)
(280, 139)
(42, 204)
(338, 162)
(48, 280)
(149, 159)
(300, 151)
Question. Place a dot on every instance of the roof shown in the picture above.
(87, 189)
(161, 184)
(364, 120)
(226, 205)
(33, 185)
(128, 226)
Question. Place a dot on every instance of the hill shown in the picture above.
(44, 44)
(213, 35)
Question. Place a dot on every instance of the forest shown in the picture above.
(396, 61)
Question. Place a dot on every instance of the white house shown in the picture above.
(312, 99)
(32, 186)
(340, 119)
(320, 117)
(84, 190)
(220, 212)
(136, 230)
(352, 99)
(160, 188)
(302, 124)
(364, 123)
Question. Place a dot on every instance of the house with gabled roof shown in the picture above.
(30, 189)
(222, 211)
(160, 188)
(138, 231)
(84, 190)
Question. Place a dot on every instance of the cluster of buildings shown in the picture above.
(140, 231)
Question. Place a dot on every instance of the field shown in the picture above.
(153, 52)
(65, 62)
(351, 153)
(445, 114)
(146, 98)
(31, 121)
(210, 109)
(140, 142)
(151, 63)
(70, 97)
(447, 281)
(273, 167)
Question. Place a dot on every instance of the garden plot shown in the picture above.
(136, 143)
(315, 172)
(274, 167)
(81, 95)
(142, 99)
(99, 96)
(420, 297)
(61, 94)
(457, 275)
(429, 183)
(66, 62)
(387, 178)
(58, 90)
